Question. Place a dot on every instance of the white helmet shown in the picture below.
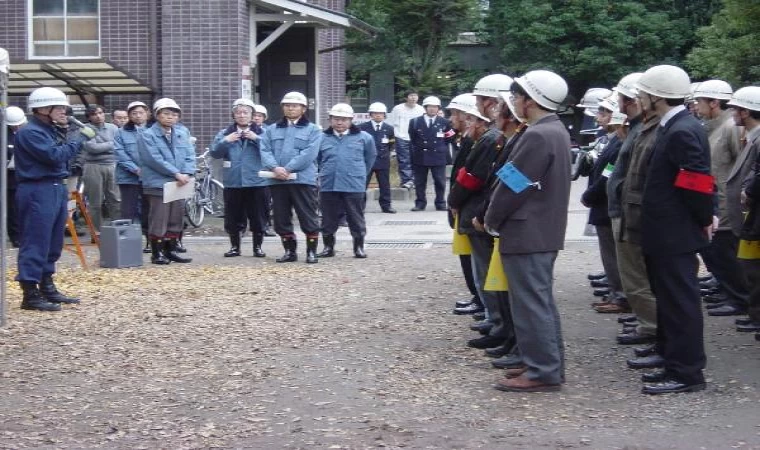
(244, 102)
(747, 98)
(544, 87)
(665, 81)
(467, 104)
(617, 118)
(431, 101)
(135, 105)
(590, 100)
(261, 109)
(14, 116)
(164, 103)
(610, 103)
(47, 96)
(717, 89)
(510, 101)
(295, 98)
(492, 85)
(342, 110)
(627, 85)
(378, 107)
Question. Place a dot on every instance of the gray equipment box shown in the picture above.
(121, 245)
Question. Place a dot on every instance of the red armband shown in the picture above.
(468, 180)
(695, 181)
(449, 134)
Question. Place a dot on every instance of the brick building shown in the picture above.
(203, 54)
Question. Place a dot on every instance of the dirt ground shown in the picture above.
(345, 354)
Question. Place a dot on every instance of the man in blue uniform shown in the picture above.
(41, 165)
(676, 222)
(385, 140)
(430, 135)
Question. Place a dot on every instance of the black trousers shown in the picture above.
(130, 201)
(680, 326)
(466, 262)
(384, 183)
(245, 206)
(420, 185)
(752, 269)
(333, 204)
(14, 231)
(299, 197)
(720, 258)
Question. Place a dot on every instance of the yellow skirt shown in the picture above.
(496, 280)
(749, 249)
(460, 243)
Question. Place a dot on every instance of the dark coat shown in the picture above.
(751, 228)
(737, 181)
(429, 146)
(462, 146)
(535, 219)
(595, 196)
(385, 141)
(673, 218)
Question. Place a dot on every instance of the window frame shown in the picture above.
(66, 42)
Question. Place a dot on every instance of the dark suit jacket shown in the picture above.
(534, 220)
(384, 149)
(672, 218)
(737, 181)
(428, 146)
(595, 196)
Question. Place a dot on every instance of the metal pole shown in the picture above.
(4, 75)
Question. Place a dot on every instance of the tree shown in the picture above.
(727, 48)
(413, 41)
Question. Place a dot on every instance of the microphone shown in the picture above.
(75, 121)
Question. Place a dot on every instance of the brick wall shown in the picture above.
(332, 65)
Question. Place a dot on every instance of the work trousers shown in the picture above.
(42, 213)
(131, 197)
(720, 257)
(299, 197)
(404, 159)
(608, 255)
(335, 204)
(99, 185)
(496, 302)
(384, 185)
(420, 185)
(165, 219)
(752, 268)
(244, 207)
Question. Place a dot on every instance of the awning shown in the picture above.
(302, 12)
(96, 77)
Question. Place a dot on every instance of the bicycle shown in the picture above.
(208, 196)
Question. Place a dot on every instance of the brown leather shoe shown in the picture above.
(514, 373)
(613, 308)
(604, 301)
(522, 384)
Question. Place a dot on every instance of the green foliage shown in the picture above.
(728, 47)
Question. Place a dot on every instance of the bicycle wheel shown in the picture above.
(216, 198)
(194, 210)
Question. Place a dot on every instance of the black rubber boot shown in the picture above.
(290, 255)
(147, 249)
(51, 294)
(328, 246)
(170, 249)
(234, 246)
(359, 247)
(258, 239)
(33, 299)
(179, 247)
(311, 250)
(157, 252)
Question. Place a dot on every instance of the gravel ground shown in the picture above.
(345, 354)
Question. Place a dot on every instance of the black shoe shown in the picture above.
(647, 362)
(328, 246)
(389, 210)
(33, 299)
(258, 239)
(471, 309)
(634, 338)
(417, 208)
(485, 342)
(714, 298)
(712, 306)
(751, 327)
(510, 361)
(234, 246)
(624, 319)
(498, 352)
(359, 248)
(290, 255)
(596, 276)
(600, 283)
(180, 247)
(480, 315)
(728, 310)
(743, 321)
(311, 250)
(477, 326)
(50, 292)
(601, 292)
(463, 303)
(710, 291)
(642, 352)
(654, 377)
(170, 250)
(704, 278)
(670, 386)
(157, 252)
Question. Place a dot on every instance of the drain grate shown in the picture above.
(409, 222)
(395, 245)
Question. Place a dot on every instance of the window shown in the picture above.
(64, 28)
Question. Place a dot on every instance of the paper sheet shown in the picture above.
(173, 192)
